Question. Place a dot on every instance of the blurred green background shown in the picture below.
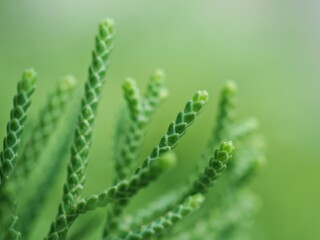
(271, 48)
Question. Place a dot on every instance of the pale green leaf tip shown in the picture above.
(129, 82)
(202, 96)
(68, 82)
(29, 76)
(196, 201)
(159, 76)
(167, 161)
(107, 23)
(228, 147)
(231, 86)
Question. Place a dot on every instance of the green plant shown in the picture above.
(218, 214)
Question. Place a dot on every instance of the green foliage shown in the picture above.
(18, 116)
(83, 134)
(48, 119)
(9, 154)
(140, 109)
(225, 119)
(159, 226)
(47, 181)
(219, 214)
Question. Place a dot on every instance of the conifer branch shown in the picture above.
(212, 172)
(83, 133)
(89, 104)
(133, 98)
(201, 185)
(18, 116)
(9, 154)
(141, 111)
(159, 226)
(155, 93)
(135, 131)
(224, 119)
(127, 188)
(179, 127)
(49, 118)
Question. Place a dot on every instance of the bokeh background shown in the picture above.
(271, 48)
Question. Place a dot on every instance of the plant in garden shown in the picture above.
(220, 213)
